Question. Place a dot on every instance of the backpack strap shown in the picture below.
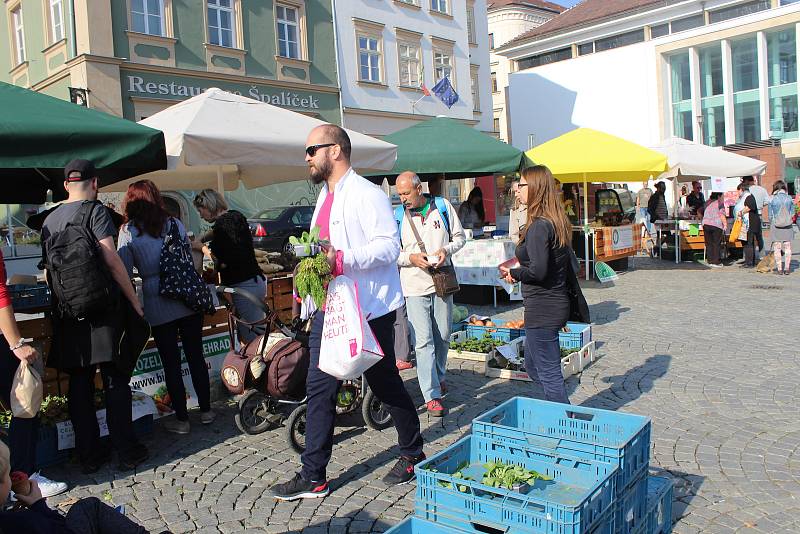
(83, 217)
(441, 205)
(399, 215)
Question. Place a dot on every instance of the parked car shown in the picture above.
(272, 228)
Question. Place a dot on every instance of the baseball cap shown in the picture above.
(82, 166)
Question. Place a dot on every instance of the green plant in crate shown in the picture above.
(500, 475)
(485, 344)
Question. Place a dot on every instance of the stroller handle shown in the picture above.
(223, 290)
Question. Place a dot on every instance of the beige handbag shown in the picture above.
(26, 392)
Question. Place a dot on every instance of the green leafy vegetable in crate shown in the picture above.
(566, 352)
(485, 345)
(500, 475)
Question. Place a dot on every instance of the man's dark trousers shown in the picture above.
(383, 379)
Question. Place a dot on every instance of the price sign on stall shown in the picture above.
(621, 238)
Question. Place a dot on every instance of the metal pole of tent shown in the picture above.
(220, 181)
(586, 224)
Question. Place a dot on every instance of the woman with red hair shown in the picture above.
(140, 242)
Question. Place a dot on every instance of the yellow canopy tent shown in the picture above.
(585, 155)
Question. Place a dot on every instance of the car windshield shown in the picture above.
(271, 214)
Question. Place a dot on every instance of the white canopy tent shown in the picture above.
(689, 161)
(217, 139)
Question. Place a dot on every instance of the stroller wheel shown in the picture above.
(376, 415)
(254, 415)
(296, 429)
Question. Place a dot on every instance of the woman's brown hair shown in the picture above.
(543, 203)
(144, 208)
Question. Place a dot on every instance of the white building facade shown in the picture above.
(719, 72)
(387, 49)
(508, 19)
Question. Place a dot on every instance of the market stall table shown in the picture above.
(611, 243)
(477, 263)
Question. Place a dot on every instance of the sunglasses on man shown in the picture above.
(312, 150)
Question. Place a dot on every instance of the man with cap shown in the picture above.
(80, 345)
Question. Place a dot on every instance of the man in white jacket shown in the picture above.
(439, 228)
(356, 217)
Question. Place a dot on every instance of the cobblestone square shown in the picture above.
(709, 355)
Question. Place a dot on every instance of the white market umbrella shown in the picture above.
(217, 139)
(689, 161)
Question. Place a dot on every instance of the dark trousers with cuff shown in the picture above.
(92, 516)
(82, 410)
(383, 378)
(543, 361)
(22, 434)
(713, 238)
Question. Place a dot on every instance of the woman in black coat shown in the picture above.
(544, 256)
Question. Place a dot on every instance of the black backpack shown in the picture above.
(77, 274)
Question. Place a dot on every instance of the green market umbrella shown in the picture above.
(40, 134)
(446, 146)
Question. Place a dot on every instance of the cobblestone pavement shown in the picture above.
(710, 355)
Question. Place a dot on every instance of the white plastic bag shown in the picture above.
(26, 392)
(348, 345)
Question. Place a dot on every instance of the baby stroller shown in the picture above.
(270, 375)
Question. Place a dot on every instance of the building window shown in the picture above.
(544, 59)
(623, 39)
(681, 96)
(410, 2)
(408, 54)
(585, 48)
(782, 68)
(494, 83)
(439, 5)
(746, 107)
(659, 30)
(491, 41)
(471, 24)
(369, 58)
(147, 16)
(695, 21)
(745, 65)
(287, 24)
(442, 65)
(496, 124)
(739, 10)
(711, 71)
(475, 87)
(220, 23)
(56, 20)
(19, 35)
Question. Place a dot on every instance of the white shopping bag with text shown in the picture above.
(348, 345)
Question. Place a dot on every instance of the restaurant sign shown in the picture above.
(175, 87)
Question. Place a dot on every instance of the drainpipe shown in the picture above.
(336, 60)
(73, 38)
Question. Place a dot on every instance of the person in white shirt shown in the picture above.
(355, 216)
(429, 314)
(518, 214)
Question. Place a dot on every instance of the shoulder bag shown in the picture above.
(178, 278)
(578, 307)
(445, 281)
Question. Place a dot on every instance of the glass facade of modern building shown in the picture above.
(755, 74)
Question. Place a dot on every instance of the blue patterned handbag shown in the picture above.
(178, 278)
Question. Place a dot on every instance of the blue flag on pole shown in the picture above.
(444, 90)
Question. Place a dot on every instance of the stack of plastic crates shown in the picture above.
(594, 464)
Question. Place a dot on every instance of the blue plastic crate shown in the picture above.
(590, 433)
(417, 525)
(25, 297)
(660, 493)
(579, 335)
(630, 509)
(579, 496)
(456, 327)
(499, 333)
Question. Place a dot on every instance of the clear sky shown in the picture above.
(568, 3)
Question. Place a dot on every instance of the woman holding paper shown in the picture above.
(544, 262)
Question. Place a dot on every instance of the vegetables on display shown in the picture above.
(497, 475)
(485, 344)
